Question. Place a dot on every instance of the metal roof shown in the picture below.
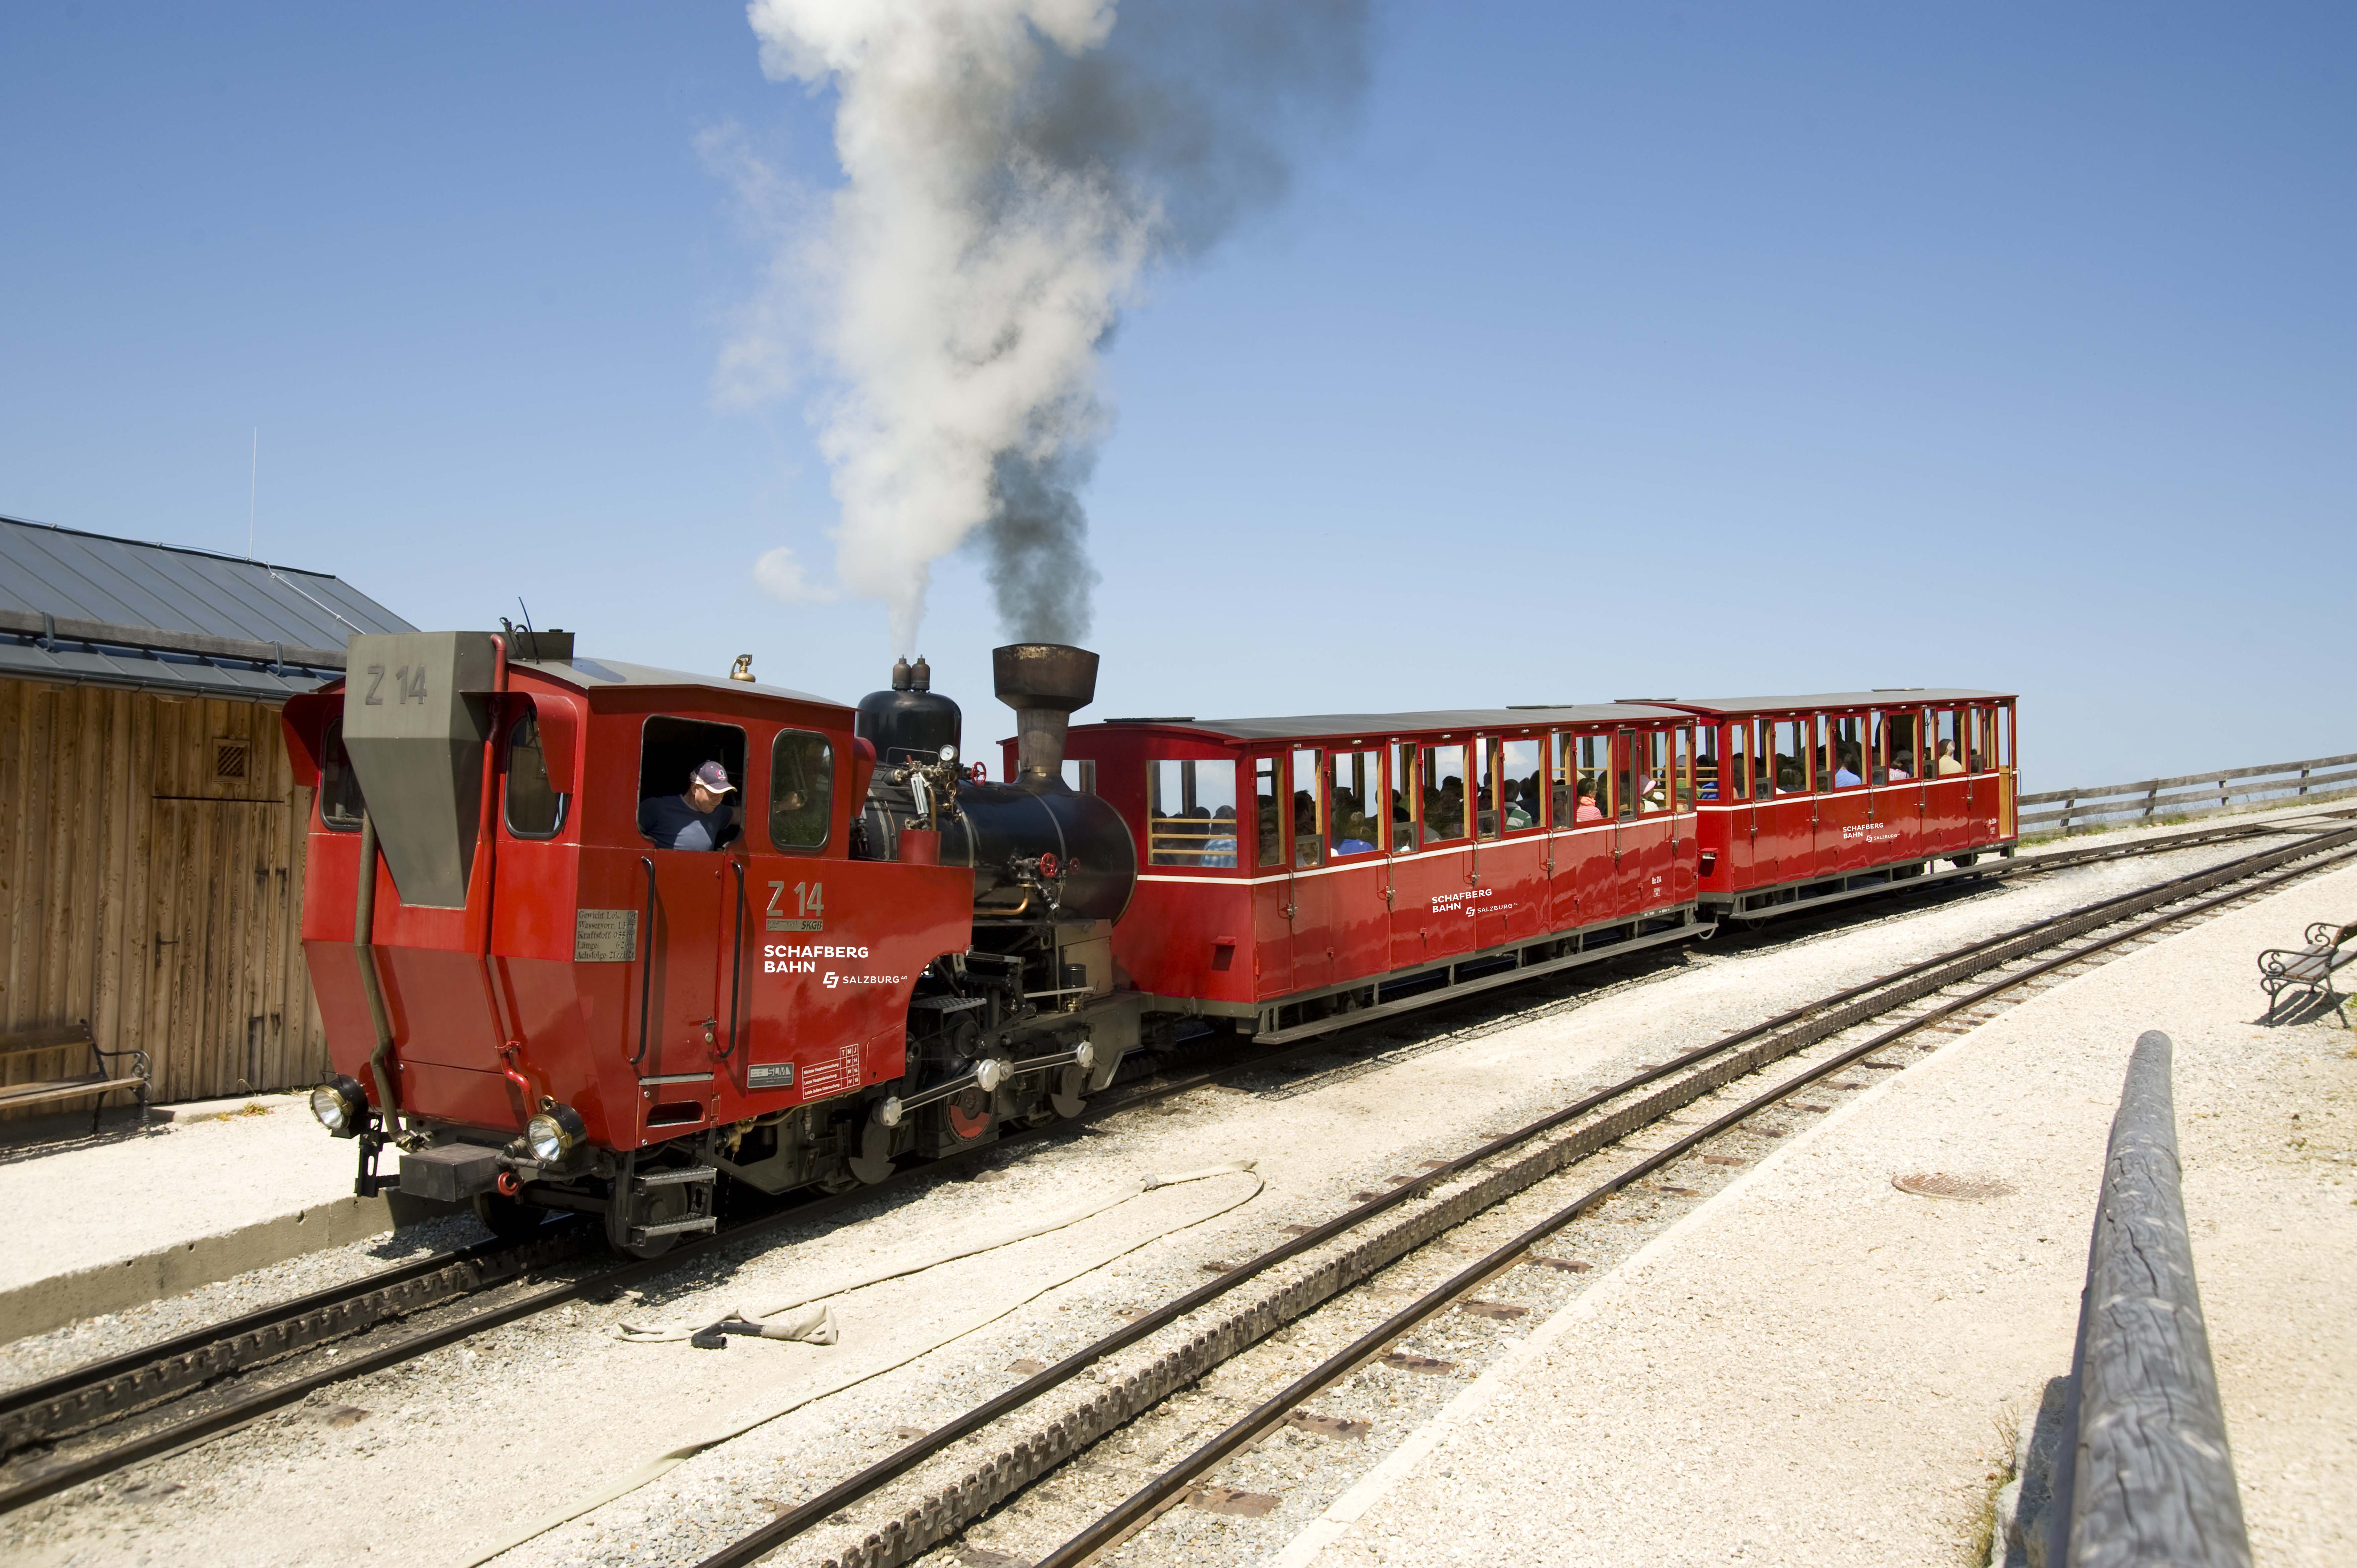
(591, 673)
(91, 609)
(1896, 697)
(1308, 725)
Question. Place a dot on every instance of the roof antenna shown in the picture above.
(527, 616)
(252, 484)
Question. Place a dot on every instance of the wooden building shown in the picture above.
(151, 836)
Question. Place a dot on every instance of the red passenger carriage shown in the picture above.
(1303, 871)
(1812, 800)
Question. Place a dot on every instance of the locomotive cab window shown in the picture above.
(1191, 812)
(801, 789)
(671, 803)
(534, 810)
(340, 802)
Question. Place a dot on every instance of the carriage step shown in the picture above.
(672, 1226)
(676, 1179)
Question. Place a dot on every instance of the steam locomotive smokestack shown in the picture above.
(1043, 682)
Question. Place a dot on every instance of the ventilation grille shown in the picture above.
(231, 760)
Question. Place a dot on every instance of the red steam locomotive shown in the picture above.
(886, 956)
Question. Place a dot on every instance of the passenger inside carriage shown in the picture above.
(1845, 774)
(1592, 807)
(1307, 848)
(1220, 847)
(1444, 808)
(1902, 767)
(1946, 763)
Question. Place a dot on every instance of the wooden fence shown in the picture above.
(2193, 795)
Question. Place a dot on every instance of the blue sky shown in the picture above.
(1611, 351)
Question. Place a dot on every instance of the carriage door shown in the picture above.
(691, 894)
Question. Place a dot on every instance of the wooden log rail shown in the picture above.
(2143, 1474)
(2192, 795)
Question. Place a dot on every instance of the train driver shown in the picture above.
(702, 818)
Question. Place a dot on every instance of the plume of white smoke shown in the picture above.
(1012, 168)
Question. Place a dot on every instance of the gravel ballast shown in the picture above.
(1816, 1366)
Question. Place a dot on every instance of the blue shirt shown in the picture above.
(1843, 778)
(673, 824)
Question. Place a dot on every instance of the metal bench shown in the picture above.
(97, 1081)
(2311, 968)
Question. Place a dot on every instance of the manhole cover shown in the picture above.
(1940, 1184)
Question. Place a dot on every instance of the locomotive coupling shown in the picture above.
(340, 1106)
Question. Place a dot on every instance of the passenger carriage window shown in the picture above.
(1593, 779)
(1655, 788)
(1984, 741)
(801, 790)
(1485, 793)
(1355, 799)
(1519, 782)
(1682, 750)
(1309, 809)
(1787, 755)
(1190, 808)
(340, 803)
(1444, 793)
(1845, 751)
(1405, 832)
(1947, 748)
(2004, 736)
(534, 811)
(1737, 779)
(1901, 742)
(1706, 772)
(1265, 805)
(1625, 748)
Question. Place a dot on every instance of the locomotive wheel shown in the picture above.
(1067, 1097)
(969, 1114)
(662, 1204)
(873, 1163)
(508, 1220)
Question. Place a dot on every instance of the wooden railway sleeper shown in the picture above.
(129, 1391)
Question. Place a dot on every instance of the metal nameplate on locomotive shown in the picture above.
(770, 1075)
(787, 923)
(605, 936)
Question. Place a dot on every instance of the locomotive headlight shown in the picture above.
(555, 1135)
(339, 1105)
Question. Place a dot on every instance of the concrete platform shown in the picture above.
(1816, 1366)
(103, 1224)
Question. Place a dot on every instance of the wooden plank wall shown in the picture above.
(147, 887)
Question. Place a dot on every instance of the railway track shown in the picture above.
(1104, 1390)
(133, 1391)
